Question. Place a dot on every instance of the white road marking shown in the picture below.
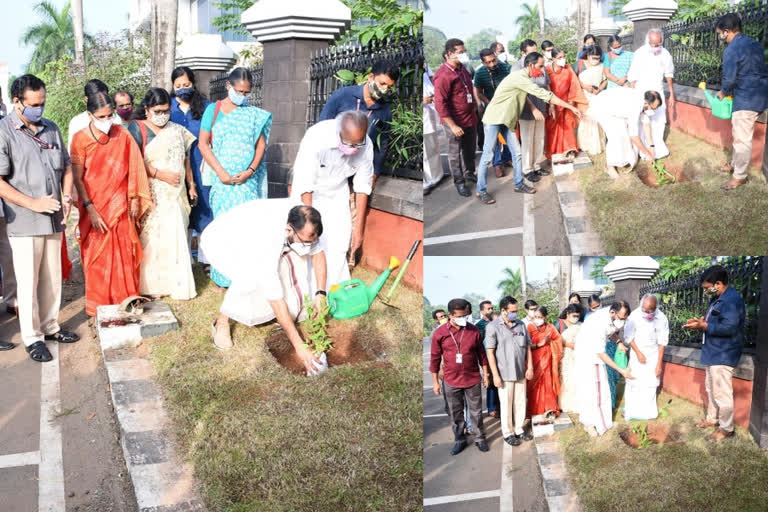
(19, 459)
(506, 502)
(529, 232)
(461, 497)
(51, 470)
(448, 239)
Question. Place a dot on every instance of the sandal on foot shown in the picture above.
(63, 337)
(39, 352)
(485, 197)
(726, 168)
(732, 184)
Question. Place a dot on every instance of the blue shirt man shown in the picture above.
(373, 98)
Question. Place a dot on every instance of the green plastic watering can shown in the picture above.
(722, 109)
(352, 298)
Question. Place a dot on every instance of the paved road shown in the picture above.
(59, 445)
(502, 479)
(517, 224)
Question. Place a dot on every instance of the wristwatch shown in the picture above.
(321, 292)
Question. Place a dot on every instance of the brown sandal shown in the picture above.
(726, 168)
(732, 184)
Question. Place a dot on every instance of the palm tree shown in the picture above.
(512, 284)
(53, 37)
(541, 15)
(529, 20)
(164, 17)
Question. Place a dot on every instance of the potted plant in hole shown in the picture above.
(316, 336)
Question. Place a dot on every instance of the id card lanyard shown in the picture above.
(458, 346)
(461, 79)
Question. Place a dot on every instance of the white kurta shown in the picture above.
(322, 170)
(433, 171)
(569, 394)
(619, 111)
(594, 405)
(247, 245)
(649, 72)
(649, 335)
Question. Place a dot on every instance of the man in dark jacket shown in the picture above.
(722, 343)
(745, 77)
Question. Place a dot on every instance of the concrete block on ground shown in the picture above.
(562, 169)
(121, 330)
(563, 422)
(543, 430)
(581, 161)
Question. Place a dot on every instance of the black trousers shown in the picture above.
(461, 153)
(474, 397)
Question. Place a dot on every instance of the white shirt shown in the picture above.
(246, 243)
(81, 121)
(590, 341)
(648, 334)
(625, 103)
(650, 70)
(429, 113)
(320, 166)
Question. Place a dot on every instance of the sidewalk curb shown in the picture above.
(583, 240)
(162, 482)
(558, 492)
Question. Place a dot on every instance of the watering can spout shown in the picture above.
(375, 287)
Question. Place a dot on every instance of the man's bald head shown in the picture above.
(655, 37)
(353, 126)
(649, 303)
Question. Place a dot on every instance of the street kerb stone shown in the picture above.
(120, 330)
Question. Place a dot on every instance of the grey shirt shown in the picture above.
(33, 171)
(511, 346)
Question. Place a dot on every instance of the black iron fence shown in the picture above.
(682, 298)
(218, 89)
(696, 50)
(404, 157)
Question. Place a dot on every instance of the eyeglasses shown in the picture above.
(351, 145)
(305, 243)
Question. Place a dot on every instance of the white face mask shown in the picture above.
(649, 112)
(102, 125)
(531, 312)
(502, 57)
(548, 54)
(300, 249)
(160, 119)
(618, 323)
(463, 58)
(538, 322)
(461, 321)
(561, 62)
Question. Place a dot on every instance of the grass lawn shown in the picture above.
(693, 474)
(694, 219)
(262, 438)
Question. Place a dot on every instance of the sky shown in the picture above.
(449, 277)
(98, 15)
(461, 18)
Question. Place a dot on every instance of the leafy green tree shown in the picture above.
(434, 44)
(478, 41)
(512, 284)
(528, 21)
(53, 37)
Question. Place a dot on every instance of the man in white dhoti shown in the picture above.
(331, 152)
(264, 247)
(651, 66)
(594, 406)
(647, 332)
(621, 111)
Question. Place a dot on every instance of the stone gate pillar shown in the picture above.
(602, 29)
(585, 288)
(758, 416)
(629, 274)
(648, 14)
(290, 31)
(207, 55)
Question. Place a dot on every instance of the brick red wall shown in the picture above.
(688, 383)
(388, 235)
(700, 122)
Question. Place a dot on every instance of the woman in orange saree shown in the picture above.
(547, 352)
(114, 192)
(560, 125)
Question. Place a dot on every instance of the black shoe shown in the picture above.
(463, 190)
(12, 310)
(525, 436)
(39, 352)
(62, 337)
(471, 177)
(6, 345)
(482, 445)
(525, 189)
(458, 446)
(512, 440)
(543, 172)
(532, 177)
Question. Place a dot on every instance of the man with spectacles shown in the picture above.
(267, 261)
(330, 153)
